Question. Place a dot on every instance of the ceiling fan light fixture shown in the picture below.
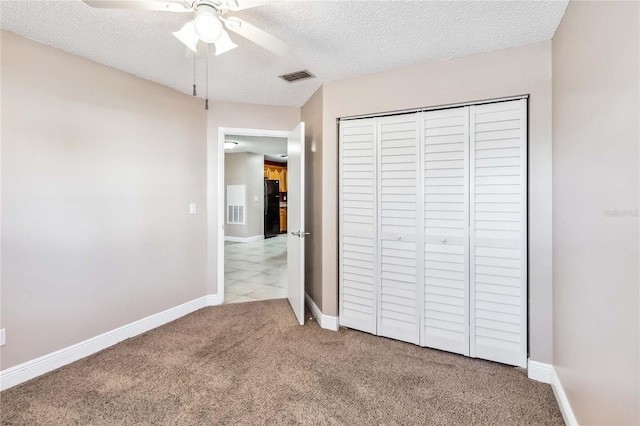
(224, 44)
(230, 145)
(208, 26)
(187, 35)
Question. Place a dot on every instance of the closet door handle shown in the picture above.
(399, 237)
(444, 240)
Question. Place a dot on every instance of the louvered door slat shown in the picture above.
(399, 301)
(358, 226)
(446, 142)
(498, 285)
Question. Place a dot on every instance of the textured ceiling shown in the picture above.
(332, 39)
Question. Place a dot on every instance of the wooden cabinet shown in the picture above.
(279, 173)
(283, 219)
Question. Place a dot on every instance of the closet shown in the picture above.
(433, 228)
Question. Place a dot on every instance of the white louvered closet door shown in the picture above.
(400, 295)
(446, 225)
(358, 224)
(498, 240)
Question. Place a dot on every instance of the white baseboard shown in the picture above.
(213, 299)
(325, 321)
(539, 371)
(31, 369)
(243, 239)
(546, 373)
(563, 401)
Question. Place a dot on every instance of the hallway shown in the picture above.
(255, 271)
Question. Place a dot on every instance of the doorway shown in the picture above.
(254, 252)
(256, 270)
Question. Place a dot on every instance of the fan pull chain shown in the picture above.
(194, 74)
(195, 46)
(206, 101)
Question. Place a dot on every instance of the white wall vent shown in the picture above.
(236, 204)
(296, 76)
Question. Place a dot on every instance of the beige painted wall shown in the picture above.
(255, 194)
(234, 115)
(235, 173)
(246, 168)
(98, 170)
(596, 152)
(515, 71)
(311, 113)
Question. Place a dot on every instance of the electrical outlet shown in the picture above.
(3, 336)
(192, 208)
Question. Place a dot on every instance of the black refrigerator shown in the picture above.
(271, 208)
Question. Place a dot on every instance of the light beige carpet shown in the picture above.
(252, 364)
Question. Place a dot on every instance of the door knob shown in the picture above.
(300, 234)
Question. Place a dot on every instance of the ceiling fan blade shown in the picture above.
(166, 5)
(256, 35)
(237, 5)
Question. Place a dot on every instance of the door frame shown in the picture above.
(222, 133)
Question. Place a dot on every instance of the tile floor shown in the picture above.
(255, 271)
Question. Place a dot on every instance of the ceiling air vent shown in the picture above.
(296, 76)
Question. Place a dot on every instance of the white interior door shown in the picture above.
(433, 229)
(498, 246)
(446, 229)
(358, 224)
(398, 218)
(295, 221)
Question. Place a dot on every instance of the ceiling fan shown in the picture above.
(207, 25)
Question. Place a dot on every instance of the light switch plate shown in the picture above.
(192, 208)
(3, 336)
(255, 198)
